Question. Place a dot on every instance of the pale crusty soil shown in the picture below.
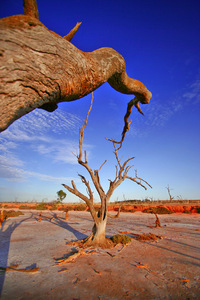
(168, 268)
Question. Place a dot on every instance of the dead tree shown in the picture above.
(169, 192)
(97, 237)
(39, 69)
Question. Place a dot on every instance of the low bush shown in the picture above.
(120, 239)
(41, 206)
(11, 213)
(80, 207)
(24, 207)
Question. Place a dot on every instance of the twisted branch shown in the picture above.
(133, 102)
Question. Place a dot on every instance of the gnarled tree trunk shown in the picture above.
(39, 68)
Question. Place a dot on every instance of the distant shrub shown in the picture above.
(69, 207)
(62, 208)
(11, 213)
(198, 210)
(41, 206)
(80, 207)
(53, 205)
(187, 211)
(120, 239)
(125, 209)
(24, 207)
(157, 210)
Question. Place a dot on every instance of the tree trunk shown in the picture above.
(39, 69)
(97, 238)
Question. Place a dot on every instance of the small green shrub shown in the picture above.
(120, 239)
(198, 210)
(157, 210)
(61, 196)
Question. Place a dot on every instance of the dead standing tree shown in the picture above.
(39, 69)
(169, 192)
(97, 237)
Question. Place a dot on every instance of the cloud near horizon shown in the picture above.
(32, 132)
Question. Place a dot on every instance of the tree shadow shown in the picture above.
(7, 230)
(5, 238)
(61, 222)
(177, 252)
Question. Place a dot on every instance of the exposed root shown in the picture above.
(91, 242)
(14, 268)
(69, 258)
(73, 256)
(114, 255)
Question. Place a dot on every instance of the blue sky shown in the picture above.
(160, 43)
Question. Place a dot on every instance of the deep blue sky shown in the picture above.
(160, 43)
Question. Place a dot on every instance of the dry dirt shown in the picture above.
(164, 269)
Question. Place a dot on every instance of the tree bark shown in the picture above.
(97, 238)
(39, 69)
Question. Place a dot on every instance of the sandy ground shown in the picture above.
(168, 268)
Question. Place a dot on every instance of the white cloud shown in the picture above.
(57, 150)
(160, 111)
(37, 123)
(11, 170)
(33, 135)
(48, 178)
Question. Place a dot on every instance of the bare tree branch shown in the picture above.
(51, 70)
(81, 133)
(30, 8)
(139, 182)
(90, 194)
(70, 35)
(133, 102)
(102, 165)
(84, 198)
